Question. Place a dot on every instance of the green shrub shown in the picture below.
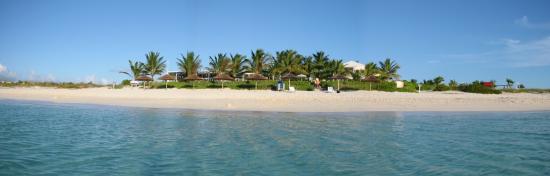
(360, 85)
(125, 82)
(441, 87)
(202, 84)
(300, 85)
(427, 87)
(526, 90)
(409, 87)
(477, 87)
(65, 85)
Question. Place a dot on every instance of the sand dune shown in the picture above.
(301, 101)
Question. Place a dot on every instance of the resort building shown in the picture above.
(354, 66)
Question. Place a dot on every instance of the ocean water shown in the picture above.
(61, 139)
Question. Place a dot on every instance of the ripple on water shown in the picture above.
(59, 139)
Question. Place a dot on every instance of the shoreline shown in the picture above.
(273, 101)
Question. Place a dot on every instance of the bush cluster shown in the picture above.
(247, 85)
(477, 87)
(360, 85)
(66, 85)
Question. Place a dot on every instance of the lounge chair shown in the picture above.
(330, 90)
(291, 89)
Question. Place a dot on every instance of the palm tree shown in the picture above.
(337, 68)
(453, 84)
(389, 68)
(438, 80)
(308, 65)
(238, 65)
(288, 61)
(258, 61)
(320, 61)
(189, 64)
(155, 64)
(371, 69)
(136, 69)
(509, 82)
(219, 64)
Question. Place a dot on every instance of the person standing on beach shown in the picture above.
(317, 83)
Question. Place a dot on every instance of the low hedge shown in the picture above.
(298, 85)
(248, 85)
(478, 88)
(360, 85)
(65, 85)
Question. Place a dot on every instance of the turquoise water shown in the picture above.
(58, 139)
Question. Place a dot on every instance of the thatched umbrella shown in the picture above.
(288, 76)
(144, 78)
(256, 77)
(301, 76)
(371, 79)
(223, 77)
(166, 78)
(338, 78)
(192, 78)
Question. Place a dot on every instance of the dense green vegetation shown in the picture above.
(319, 65)
(526, 90)
(248, 85)
(478, 87)
(66, 85)
(380, 86)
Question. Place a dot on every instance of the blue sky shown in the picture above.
(461, 40)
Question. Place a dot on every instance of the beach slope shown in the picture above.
(300, 101)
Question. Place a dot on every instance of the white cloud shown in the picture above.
(90, 78)
(105, 81)
(34, 76)
(524, 21)
(50, 78)
(3, 68)
(6, 74)
(512, 53)
(12, 74)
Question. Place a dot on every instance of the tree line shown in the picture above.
(318, 65)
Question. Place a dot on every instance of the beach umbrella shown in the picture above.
(144, 78)
(288, 76)
(256, 77)
(166, 78)
(223, 77)
(192, 78)
(371, 79)
(338, 78)
(301, 76)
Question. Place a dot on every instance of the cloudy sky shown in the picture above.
(461, 40)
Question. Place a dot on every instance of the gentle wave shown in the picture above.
(61, 139)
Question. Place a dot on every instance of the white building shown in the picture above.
(354, 66)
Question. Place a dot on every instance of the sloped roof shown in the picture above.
(355, 65)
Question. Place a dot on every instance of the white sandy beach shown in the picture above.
(300, 101)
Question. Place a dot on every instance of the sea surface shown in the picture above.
(38, 138)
